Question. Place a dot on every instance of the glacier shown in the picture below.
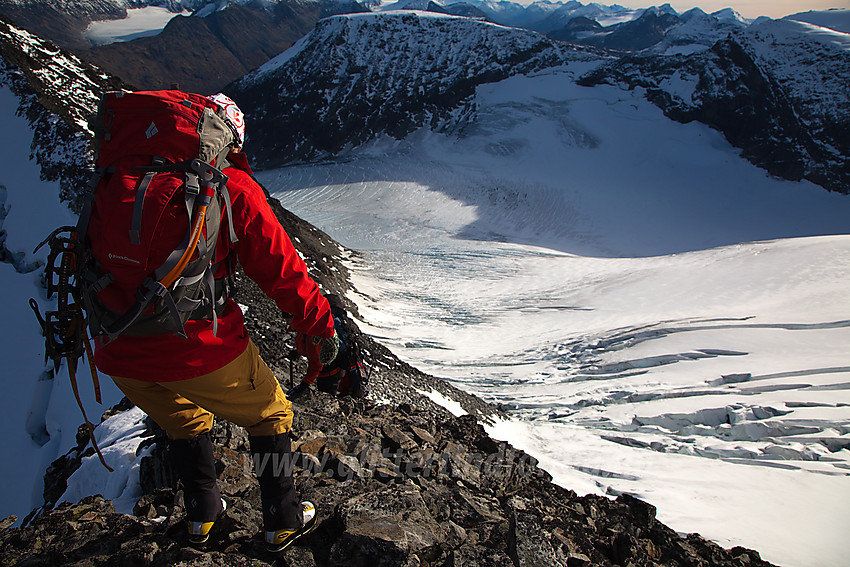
(658, 316)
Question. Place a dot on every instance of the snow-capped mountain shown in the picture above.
(641, 33)
(200, 45)
(603, 15)
(777, 89)
(698, 31)
(659, 29)
(145, 41)
(356, 77)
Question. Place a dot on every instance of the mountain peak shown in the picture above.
(730, 15)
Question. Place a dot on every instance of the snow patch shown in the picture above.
(140, 22)
(118, 438)
(451, 405)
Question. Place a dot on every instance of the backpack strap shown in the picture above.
(152, 289)
(210, 281)
(224, 164)
(85, 214)
(228, 208)
(139, 203)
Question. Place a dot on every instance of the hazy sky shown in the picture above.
(747, 8)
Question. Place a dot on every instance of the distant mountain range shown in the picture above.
(218, 43)
(775, 88)
(356, 77)
(209, 43)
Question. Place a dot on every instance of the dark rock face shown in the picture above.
(638, 34)
(205, 54)
(394, 485)
(575, 28)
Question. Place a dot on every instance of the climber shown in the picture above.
(210, 366)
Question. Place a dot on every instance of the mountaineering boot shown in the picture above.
(285, 518)
(199, 532)
(279, 540)
(195, 465)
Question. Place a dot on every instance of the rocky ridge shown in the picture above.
(776, 90)
(394, 484)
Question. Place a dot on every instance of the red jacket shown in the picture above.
(268, 257)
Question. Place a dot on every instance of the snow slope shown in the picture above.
(837, 19)
(659, 316)
(40, 417)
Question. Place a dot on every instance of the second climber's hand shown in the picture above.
(318, 351)
(328, 348)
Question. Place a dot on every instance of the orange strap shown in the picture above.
(72, 372)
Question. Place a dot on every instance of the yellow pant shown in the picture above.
(244, 392)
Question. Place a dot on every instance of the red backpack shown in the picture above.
(140, 259)
(149, 230)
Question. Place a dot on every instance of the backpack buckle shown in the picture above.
(192, 186)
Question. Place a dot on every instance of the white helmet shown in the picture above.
(234, 115)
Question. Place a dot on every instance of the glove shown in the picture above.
(297, 391)
(318, 351)
(329, 348)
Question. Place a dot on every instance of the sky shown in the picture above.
(747, 8)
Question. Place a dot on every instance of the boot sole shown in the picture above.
(307, 528)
